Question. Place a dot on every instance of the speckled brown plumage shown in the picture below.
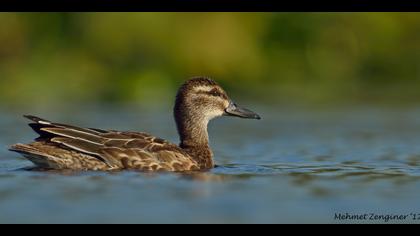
(199, 100)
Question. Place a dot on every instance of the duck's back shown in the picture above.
(63, 146)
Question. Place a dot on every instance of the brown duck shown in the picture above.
(198, 100)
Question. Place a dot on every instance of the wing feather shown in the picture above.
(132, 150)
(75, 134)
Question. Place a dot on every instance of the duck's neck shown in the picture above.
(192, 129)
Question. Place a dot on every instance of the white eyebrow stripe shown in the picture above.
(204, 88)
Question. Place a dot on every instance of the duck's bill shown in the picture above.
(235, 110)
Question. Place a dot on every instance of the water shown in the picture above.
(292, 166)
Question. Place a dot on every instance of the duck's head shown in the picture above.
(201, 99)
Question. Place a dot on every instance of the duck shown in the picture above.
(67, 147)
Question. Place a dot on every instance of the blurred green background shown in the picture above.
(56, 59)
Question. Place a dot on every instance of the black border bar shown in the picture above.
(210, 5)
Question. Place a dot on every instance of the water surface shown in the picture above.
(291, 166)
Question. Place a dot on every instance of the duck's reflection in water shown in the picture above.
(316, 180)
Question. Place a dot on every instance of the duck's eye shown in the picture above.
(215, 93)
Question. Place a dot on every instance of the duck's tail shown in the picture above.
(36, 156)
